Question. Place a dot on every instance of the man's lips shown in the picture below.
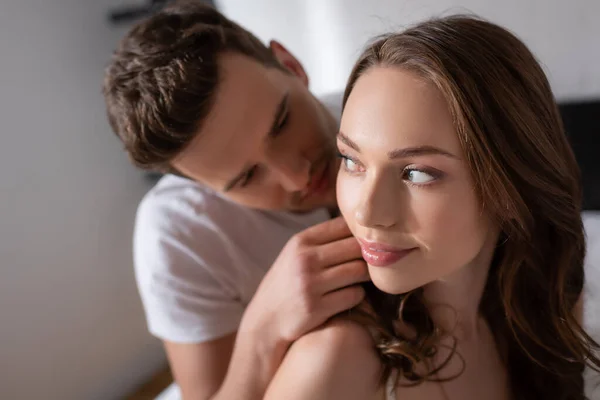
(381, 255)
(320, 181)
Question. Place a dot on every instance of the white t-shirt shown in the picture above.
(199, 257)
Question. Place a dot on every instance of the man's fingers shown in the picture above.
(340, 276)
(325, 232)
(338, 252)
(341, 300)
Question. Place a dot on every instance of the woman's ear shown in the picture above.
(288, 61)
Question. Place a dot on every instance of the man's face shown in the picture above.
(267, 143)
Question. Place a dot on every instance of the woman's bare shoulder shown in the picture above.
(336, 360)
(338, 333)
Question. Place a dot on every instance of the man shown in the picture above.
(227, 281)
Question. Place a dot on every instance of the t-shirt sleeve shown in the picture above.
(181, 264)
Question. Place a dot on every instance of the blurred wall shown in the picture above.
(71, 323)
(328, 35)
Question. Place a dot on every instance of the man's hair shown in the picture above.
(162, 79)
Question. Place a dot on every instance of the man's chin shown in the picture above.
(328, 201)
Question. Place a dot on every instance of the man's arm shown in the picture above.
(314, 278)
(200, 368)
(335, 361)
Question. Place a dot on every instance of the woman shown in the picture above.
(459, 183)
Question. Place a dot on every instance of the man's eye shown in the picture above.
(282, 124)
(248, 177)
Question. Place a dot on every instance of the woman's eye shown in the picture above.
(350, 165)
(419, 177)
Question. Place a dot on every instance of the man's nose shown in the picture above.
(291, 170)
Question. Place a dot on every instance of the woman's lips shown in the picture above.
(381, 255)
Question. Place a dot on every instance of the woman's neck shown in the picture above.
(453, 301)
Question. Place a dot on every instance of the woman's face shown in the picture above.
(404, 186)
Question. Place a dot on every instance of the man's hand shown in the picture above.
(315, 277)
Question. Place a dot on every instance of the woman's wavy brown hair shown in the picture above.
(527, 180)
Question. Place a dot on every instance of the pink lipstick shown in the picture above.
(381, 255)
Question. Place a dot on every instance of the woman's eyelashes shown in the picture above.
(349, 164)
(418, 176)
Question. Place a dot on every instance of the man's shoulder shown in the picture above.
(190, 213)
(181, 204)
(172, 191)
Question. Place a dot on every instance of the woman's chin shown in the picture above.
(386, 282)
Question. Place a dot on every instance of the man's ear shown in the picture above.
(288, 61)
